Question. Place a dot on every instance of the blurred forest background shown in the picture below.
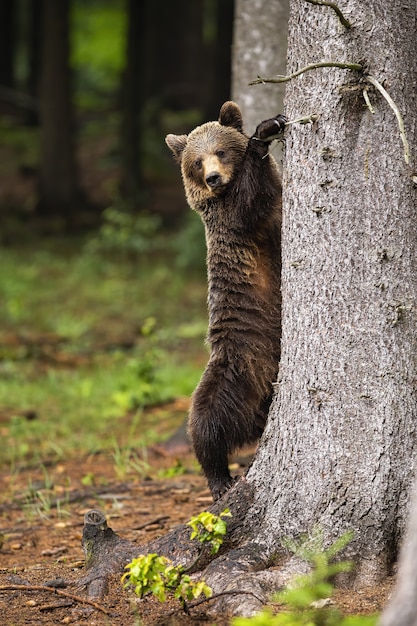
(102, 264)
(88, 90)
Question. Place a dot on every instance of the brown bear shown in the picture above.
(234, 184)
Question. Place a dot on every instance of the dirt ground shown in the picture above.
(41, 521)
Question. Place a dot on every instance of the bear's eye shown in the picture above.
(198, 163)
(220, 153)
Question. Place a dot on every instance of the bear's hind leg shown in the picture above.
(213, 459)
(216, 427)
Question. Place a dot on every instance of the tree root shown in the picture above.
(106, 553)
(239, 578)
(249, 572)
(232, 575)
(243, 576)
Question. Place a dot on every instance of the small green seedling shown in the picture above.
(209, 528)
(156, 574)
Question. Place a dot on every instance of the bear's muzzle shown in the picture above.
(214, 180)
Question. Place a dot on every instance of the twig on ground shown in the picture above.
(58, 592)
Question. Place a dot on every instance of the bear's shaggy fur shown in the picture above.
(234, 184)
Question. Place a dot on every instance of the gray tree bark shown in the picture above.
(259, 48)
(339, 447)
(340, 442)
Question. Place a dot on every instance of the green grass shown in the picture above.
(87, 343)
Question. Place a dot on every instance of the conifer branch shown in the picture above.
(332, 5)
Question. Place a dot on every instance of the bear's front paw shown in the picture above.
(271, 129)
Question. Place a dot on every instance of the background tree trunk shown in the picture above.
(132, 104)
(340, 440)
(35, 9)
(220, 56)
(259, 48)
(7, 42)
(59, 193)
(175, 70)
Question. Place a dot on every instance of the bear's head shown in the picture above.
(210, 155)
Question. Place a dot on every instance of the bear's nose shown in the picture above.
(213, 179)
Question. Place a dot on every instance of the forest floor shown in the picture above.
(42, 512)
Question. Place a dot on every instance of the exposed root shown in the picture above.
(275, 579)
(238, 576)
(243, 597)
(245, 569)
(106, 553)
(243, 577)
(234, 572)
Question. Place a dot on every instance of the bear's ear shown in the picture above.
(230, 115)
(176, 143)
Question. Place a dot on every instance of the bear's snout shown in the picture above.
(214, 180)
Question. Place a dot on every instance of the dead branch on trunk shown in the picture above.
(373, 81)
(367, 78)
(332, 5)
(357, 67)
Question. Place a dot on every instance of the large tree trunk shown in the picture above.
(339, 446)
(259, 47)
(340, 441)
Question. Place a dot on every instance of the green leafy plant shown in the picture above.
(71, 346)
(209, 528)
(308, 598)
(156, 574)
(140, 385)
